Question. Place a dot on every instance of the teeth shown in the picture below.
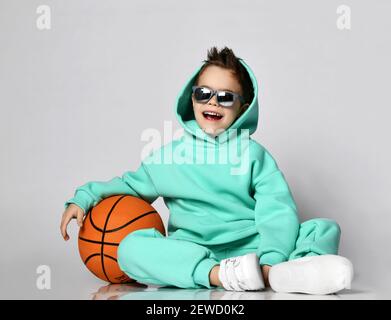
(212, 113)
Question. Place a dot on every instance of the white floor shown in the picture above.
(20, 277)
(128, 292)
(98, 290)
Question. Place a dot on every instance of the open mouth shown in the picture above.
(213, 116)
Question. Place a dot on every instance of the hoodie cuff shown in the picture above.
(202, 270)
(82, 199)
(271, 258)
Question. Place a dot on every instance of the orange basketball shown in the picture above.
(105, 225)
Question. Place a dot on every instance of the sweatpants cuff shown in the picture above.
(202, 270)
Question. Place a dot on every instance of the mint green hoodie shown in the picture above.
(217, 200)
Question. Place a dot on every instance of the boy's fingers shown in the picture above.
(63, 227)
(80, 219)
(65, 221)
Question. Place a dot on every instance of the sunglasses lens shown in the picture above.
(202, 94)
(226, 99)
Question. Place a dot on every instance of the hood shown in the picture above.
(185, 115)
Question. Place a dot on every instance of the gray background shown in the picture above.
(75, 99)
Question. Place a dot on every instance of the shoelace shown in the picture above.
(228, 265)
(234, 263)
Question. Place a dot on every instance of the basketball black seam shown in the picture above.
(123, 226)
(116, 229)
(104, 233)
(110, 257)
(90, 216)
(98, 254)
(131, 221)
(90, 256)
(99, 242)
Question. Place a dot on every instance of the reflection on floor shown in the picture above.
(142, 292)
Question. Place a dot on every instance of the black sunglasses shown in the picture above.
(224, 98)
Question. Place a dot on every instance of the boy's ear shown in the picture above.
(243, 108)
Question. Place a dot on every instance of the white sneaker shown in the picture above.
(242, 273)
(323, 274)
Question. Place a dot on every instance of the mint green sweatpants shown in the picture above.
(149, 257)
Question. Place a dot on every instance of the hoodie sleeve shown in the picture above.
(276, 216)
(136, 183)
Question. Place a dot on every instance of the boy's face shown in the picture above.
(217, 78)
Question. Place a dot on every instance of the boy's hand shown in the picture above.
(72, 212)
